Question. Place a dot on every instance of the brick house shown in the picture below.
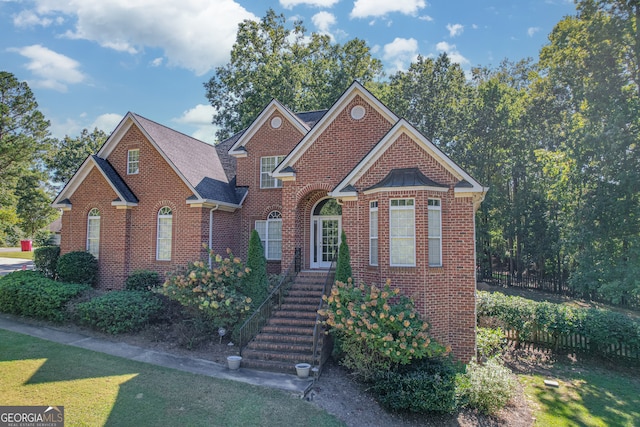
(152, 198)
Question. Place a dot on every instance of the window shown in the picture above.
(402, 236)
(93, 232)
(373, 233)
(165, 233)
(133, 162)
(267, 165)
(270, 232)
(435, 233)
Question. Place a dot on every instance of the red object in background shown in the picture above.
(27, 245)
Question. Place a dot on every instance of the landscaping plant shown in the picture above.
(486, 387)
(45, 260)
(77, 267)
(343, 265)
(142, 280)
(257, 281)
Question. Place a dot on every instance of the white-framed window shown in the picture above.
(165, 234)
(373, 233)
(435, 233)
(93, 232)
(267, 165)
(402, 233)
(133, 162)
(270, 232)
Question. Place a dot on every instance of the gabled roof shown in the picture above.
(120, 187)
(356, 89)
(238, 150)
(346, 188)
(195, 162)
(403, 178)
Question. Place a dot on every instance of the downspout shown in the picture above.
(211, 232)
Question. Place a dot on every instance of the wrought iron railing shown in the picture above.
(319, 327)
(251, 327)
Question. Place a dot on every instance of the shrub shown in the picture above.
(214, 292)
(120, 311)
(45, 260)
(426, 385)
(378, 329)
(43, 238)
(142, 280)
(343, 266)
(256, 284)
(77, 267)
(27, 293)
(490, 342)
(486, 387)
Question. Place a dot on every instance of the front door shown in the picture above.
(326, 226)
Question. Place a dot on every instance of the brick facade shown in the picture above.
(323, 154)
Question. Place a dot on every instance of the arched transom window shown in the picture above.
(270, 232)
(165, 234)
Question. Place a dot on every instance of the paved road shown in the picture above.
(7, 265)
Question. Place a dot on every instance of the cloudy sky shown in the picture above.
(88, 62)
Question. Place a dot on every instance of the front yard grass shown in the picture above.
(17, 254)
(99, 389)
(587, 396)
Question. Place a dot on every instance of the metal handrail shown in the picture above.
(258, 319)
(325, 291)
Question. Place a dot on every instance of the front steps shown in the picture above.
(287, 338)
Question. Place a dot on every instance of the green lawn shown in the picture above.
(98, 389)
(17, 254)
(587, 396)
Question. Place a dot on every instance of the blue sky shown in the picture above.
(88, 62)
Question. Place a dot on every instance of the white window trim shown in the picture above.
(438, 208)
(276, 182)
(135, 162)
(274, 216)
(93, 215)
(373, 207)
(399, 208)
(159, 239)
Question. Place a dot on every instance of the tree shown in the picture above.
(269, 60)
(23, 129)
(33, 208)
(343, 266)
(67, 155)
(256, 284)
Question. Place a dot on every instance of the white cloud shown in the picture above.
(400, 52)
(425, 18)
(366, 8)
(106, 122)
(455, 29)
(200, 117)
(51, 69)
(290, 4)
(194, 34)
(28, 18)
(452, 52)
(532, 30)
(157, 62)
(323, 22)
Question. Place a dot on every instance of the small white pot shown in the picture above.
(234, 362)
(302, 369)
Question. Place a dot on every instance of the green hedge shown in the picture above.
(143, 280)
(120, 311)
(78, 267)
(601, 328)
(28, 293)
(45, 260)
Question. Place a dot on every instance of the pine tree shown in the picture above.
(343, 267)
(256, 284)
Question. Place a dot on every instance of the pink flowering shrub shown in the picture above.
(376, 329)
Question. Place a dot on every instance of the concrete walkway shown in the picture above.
(289, 383)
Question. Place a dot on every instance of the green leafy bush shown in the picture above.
(120, 311)
(77, 267)
(343, 265)
(45, 260)
(378, 329)
(490, 342)
(214, 292)
(424, 386)
(255, 286)
(28, 293)
(142, 280)
(487, 387)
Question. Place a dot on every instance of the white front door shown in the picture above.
(325, 233)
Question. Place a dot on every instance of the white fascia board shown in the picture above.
(348, 95)
(74, 182)
(223, 206)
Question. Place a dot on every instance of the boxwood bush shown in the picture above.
(45, 260)
(142, 280)
(28, 293)
(78, 267)
(120, 311)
